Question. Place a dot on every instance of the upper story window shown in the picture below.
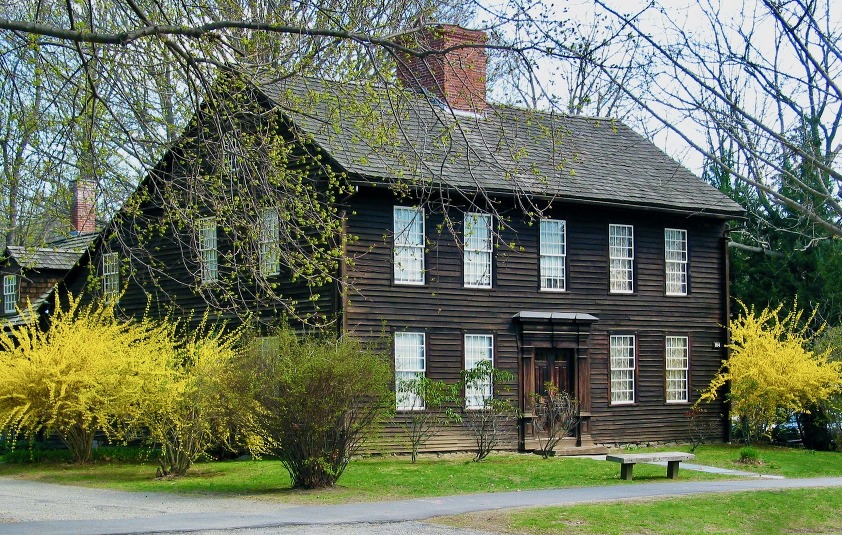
(677, 368)
(553, 254)
(269, 246)
(230, 157)
(478, 348)
(208, 254)
(410, 365)
(10, 294)
(409, 245)
(622, 351)
(675, 251)
(110, 275)
(477, 250)
(621, 258)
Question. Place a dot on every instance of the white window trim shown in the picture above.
(10, 294)
(614, 342)
(629, 259)
(269, 242)
(685, 347)
(684, 263)
(563, 255)
(472, 358)
(487, 251)
(401, 242)
(208, 253)
(111, 275)
(405, 344)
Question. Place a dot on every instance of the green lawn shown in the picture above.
(375, 478)
(394, 477)
(787, 462)
(761, 513)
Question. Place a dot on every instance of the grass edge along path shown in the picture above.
(368, 479)
(760, 512)
(381, 478)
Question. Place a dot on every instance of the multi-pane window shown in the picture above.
(409, 245)
(677, 366)
(111, 275)
(10, 294)
(410, 365)
(231, 149)
(622, 369)
(269, 246)
(208, 255)
(675, 250)
(553, 254)
(478, 348)
(621, 258)
(477, 250)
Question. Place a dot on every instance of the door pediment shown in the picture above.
(556, 330)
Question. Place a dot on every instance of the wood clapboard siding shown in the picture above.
(175, 279)
(445, 311)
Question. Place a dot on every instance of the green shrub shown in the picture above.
(749, 455)
(429, 409)
(321, 399)
(489, 422)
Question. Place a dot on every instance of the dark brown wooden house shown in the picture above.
(29, 274)
(564, 249)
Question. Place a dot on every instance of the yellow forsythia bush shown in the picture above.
(87, 371)
(771, 373)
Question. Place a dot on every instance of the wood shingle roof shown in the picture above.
(383, 135)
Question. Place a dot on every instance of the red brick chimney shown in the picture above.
(83, 212)
(458, 77)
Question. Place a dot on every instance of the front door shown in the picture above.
(553, 366)
(548, 367)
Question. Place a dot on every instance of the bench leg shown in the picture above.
(672, 469)
(626, 471)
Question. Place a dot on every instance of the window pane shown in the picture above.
(553, 254)
(677, 366)
(110, 275)
(269, 242)
(675, 256)
(208, 256)
(410, 365)
(10, 294)
(477, 253)
(621, 258)
(409, 245)
(622, 369)
(478, 348)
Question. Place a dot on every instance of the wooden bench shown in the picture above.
(628, 460)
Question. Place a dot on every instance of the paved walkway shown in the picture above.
(28, 507)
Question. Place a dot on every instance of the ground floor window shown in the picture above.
(677, 366)
(622, 369)
(410, 365)
(478, 348)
